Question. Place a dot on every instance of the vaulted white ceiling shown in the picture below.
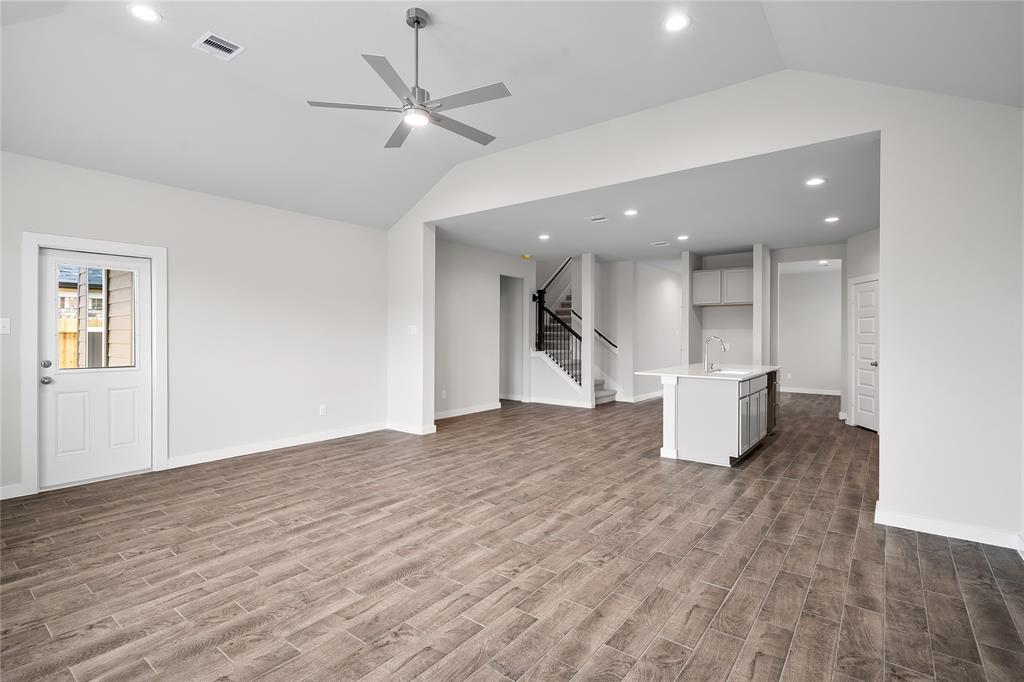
(86, 83)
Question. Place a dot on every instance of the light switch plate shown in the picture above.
(5, 325)
(411, 329)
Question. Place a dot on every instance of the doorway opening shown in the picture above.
(511, 335)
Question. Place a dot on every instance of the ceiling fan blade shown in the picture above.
(458, 128)
(474, 96)
(398, 137)
(339, 105)
(388, 74)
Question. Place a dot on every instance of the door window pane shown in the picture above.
(95, 317)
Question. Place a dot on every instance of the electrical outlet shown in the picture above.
(411, 330)
(444, 394)
(5, 325)
(789, 375)
(323, 410)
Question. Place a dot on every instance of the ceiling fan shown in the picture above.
(417, 108)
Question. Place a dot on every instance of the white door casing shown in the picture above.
(97, 421)
(864, 352)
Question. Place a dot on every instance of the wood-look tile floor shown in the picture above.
(530, 543)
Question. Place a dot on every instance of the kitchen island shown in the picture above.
(718, 416)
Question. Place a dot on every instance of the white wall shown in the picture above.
(810, 331)
(657, 336)
(512, 338)
(735, 325)
(949, 166)
(468, 295)
(615, 317)
(741, 259)
(283, 297)
(862, 254)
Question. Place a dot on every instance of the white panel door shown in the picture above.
(95, 366)
(865, 355)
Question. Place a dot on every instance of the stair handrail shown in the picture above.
(557, 273)
(551, 313)
(605, 338)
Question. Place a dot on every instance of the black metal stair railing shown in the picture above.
(561, 343)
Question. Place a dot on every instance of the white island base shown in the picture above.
(716, 417)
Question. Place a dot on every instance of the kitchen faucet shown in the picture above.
(708, 365)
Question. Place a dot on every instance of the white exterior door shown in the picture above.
(95, 366)
(865, 354)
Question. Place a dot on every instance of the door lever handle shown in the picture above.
(874, 364)
(46, 380)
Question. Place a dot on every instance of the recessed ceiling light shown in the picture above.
(144, 13)
(814, 182)
(544, 236)
(823, 262)
(677, 22)
(683, 237)
(630, 212)
(832, 219)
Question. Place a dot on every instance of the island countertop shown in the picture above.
(725, 373)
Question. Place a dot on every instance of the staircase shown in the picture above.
(556, 345)
(602, 395)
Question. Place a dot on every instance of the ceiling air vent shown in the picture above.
(659, 244)
(218, 47)
(597, 218)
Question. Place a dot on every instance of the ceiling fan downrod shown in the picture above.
(417, 18)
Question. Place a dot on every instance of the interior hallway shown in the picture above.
(534, 542)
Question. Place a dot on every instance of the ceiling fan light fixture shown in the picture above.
(416, 117)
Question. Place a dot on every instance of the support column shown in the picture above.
(587, 312)
(761, 324)
(669, 417)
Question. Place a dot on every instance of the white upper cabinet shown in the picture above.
(738, 286)
(723, 287)
(707, 287)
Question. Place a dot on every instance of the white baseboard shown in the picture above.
(264, 446)
(423, 430)
(13, 490)
(467, 410)
(638, 398)
(961, 531)
(811, 391)
(513, 396)
(560, 402)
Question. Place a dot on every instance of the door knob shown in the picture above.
(46, 380)
(874, 364)
(45, 363)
